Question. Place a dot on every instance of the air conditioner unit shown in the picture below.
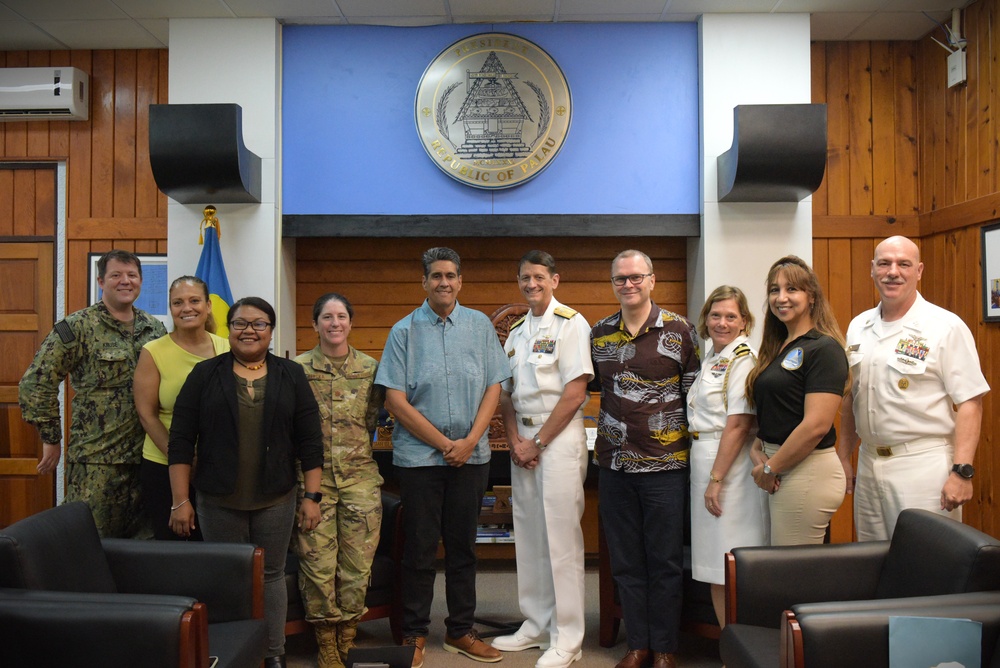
(44, 94)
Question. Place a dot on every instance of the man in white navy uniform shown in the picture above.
(916, 400)
(542, 407)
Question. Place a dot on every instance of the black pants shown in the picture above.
(440, 503)
(157, 499)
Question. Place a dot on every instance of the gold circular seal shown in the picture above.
(493, 110)
(903, 383)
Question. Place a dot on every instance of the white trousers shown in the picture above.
(911, 478)
(548, 506)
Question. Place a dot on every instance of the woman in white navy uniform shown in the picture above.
(727, 508)
(542, 408)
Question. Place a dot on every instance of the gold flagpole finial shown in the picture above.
(209, 220)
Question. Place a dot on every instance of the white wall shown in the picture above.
(236, 61)
(746, 59)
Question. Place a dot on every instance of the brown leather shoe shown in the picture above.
(418, 649)
(664, 660)
(636, 658)
(473, 647)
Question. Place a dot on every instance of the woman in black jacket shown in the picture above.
(246, 417)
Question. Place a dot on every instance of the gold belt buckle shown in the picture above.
(527, 421)
(694, 435)
(884, 451)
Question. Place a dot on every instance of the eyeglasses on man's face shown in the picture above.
(240, 324)
(634, 279)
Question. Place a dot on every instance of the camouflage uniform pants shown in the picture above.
(113, 494)
(335, 558)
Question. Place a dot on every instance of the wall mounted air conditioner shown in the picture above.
(44, 94)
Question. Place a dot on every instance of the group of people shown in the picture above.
(242, 445)
(189, 435)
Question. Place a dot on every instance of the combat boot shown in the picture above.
(326, 639)
(346, 631)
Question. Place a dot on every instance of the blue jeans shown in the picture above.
(269, 528)
(643, 519)
(440, 503)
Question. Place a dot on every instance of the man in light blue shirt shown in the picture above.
(442, 368)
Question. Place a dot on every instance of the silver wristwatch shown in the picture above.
(538, 443)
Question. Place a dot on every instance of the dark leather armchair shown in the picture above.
(384, 597)
(856, 633)
(72, 599)
(928, 556)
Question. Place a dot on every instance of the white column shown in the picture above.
(746, 59)
(236, 61)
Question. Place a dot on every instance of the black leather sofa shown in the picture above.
(928, 556)
(69, 598)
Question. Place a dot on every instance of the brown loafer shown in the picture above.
(664, 660)
(473, 647)
(418, 649)
(636, 658)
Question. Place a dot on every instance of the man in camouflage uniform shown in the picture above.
(98, 348)
(335, 558)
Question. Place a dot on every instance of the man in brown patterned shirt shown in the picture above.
(645, 359)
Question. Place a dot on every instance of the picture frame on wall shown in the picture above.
(154, 297)
(991, 272)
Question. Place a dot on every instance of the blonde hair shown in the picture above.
(722, 293)
(799, 275)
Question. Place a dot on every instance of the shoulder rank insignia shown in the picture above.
(741, 350)
(518, 323)
(564, 312)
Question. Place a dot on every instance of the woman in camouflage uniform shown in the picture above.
(336, 557)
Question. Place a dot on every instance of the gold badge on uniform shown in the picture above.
(903, 383)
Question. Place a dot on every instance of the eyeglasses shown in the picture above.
(258, 325)
(634, 279)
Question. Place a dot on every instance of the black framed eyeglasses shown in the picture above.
(240, 324)
(634, 279)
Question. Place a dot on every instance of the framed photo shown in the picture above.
(991, 272)
(154, 298)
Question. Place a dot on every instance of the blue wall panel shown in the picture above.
(351, 147)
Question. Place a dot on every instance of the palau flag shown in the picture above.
(213, 272)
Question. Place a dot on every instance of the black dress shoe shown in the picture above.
(275, 662)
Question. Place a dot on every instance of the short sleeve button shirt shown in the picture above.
(444, 366)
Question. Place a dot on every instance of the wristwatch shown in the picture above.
(313, 496)
(538, 443)
(964, 470)
(767, 470)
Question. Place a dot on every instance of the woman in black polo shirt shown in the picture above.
(797, 387)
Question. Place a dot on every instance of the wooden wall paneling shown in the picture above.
(124, 133)
(820, 206)
(6, 201)
(488, 272)
(883, 127)
(45, 202)
(986, 133)
(990, 133)
(931, 107)
(24, 202)
(163, 98)
(102, 120)
(905, 128)
(860, 123)
(147, 195)
(78, 167)
(973, 92)
(77, 290)
(838, 101)
(956, 144)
